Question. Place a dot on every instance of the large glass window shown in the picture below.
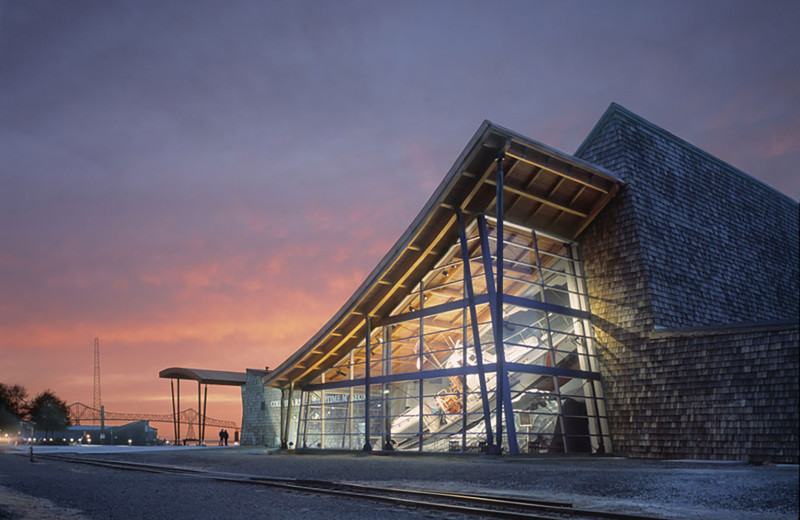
(435, 380)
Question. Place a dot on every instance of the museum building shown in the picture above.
(639, 297)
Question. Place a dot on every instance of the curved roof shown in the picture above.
(546, 189)
(208, 377)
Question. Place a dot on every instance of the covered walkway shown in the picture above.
(203, 378)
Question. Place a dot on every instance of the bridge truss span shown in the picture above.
(79, 412)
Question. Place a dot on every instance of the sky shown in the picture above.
(204, 183)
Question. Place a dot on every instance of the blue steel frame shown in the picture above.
(367, 382)
(495, 297)
(476, 336)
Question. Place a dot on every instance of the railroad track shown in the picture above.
(481, 505)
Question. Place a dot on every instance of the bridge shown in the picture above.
(80, 412)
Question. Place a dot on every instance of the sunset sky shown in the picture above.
(204, 183)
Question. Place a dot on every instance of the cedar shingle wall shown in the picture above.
(690, 242)
(718, 246)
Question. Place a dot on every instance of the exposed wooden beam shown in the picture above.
(597, 208)
(521, 193)
(546, 163)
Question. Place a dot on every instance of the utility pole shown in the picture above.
(97, 401)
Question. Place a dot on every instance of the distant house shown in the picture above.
(639, 297)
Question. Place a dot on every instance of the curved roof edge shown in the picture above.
(447, 197)
(208, 377)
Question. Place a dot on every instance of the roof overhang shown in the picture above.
(544, 189)
(207, 377)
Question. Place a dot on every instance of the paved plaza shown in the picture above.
(674, 489)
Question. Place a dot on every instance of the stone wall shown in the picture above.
(255, 430)
(690, 242)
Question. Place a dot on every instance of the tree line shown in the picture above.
(46, 411)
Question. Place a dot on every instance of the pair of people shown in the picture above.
(223, 437)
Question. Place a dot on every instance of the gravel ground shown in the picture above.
(679, 490)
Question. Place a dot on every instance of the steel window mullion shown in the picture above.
(588, 341)
(547, 307)
(490, 289)
(367, 382)
(464, 332)
(554, 371)
(476, 337)
(553, 350)
(307, 395)
(428, 311)
(283, 438)
(505, 389)
(299, 421)
(421, 362)
(502, 395)
(385, 397)
(406, 376)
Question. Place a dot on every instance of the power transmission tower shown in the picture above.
(97, 401)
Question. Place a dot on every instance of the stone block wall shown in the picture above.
(255, 430)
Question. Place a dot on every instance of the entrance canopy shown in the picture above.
(203, 377)
(206, 377)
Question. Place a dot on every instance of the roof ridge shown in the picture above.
(616, 109)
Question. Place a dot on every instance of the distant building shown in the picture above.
(644, 302)
(138, 433)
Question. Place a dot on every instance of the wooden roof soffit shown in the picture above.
(466, 187)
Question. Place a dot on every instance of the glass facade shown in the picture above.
(472, 359)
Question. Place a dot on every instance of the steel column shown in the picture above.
(511, 427)
(205, 417)
(421, 358)
(178, 439)
(476, 337)
(556, 379)
(386, 351)
(289, 410)
(368, 328)
(283, 428)
(503, 394)
(304, 414)
(174, 415)
(199, 415)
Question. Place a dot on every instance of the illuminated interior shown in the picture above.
(438, 349)
(425, 370)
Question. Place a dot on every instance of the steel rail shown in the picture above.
(485, 505)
